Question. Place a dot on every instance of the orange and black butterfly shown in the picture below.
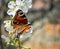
(20, 22)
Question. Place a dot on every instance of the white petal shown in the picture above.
(3, 36)
(14, 11)
(8, 43)
(18, 2)
(11, 12)
(21, 36)
(9, 28)
(31, 30)
(22, 4)
(7, 39)
(17, 7)
(30, 6)
(29, 0)
(6, 21)
(25, 9)
(6, 25)
(27, 35)
(11, 4)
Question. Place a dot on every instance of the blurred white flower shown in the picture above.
(11, 12)
(7, 39)
(9, 28)
(11, 4)
(7, 21)
(27, 35)
(29, 0)
(23, 5)
(8, 43)
(3, 36)
(19, 3)
(7, 25)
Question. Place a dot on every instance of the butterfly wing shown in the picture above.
(20, 18)
(20, 22)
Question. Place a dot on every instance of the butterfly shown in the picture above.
(20, 22)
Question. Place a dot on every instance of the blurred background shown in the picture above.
(45, 19)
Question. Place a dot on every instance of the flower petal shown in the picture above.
(29, 0)
(27, 35)
(3, 36)
(24, 9)
(9, 28)
(19, 2)
(11, 12)
(7, 39)
(11, 4)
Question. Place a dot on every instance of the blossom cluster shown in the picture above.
(23, 5)
(13, 6)
(9, 28)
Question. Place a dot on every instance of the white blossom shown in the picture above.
(3, 36)
(19, 3)
(11, 12)
(23, 5)
(27, 35)
(7, 39)
(8, 43)
(7, 25)
(11, 4)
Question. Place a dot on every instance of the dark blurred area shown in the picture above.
(45, 19)
(3, 14)
(3, 8)
(42, 8)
